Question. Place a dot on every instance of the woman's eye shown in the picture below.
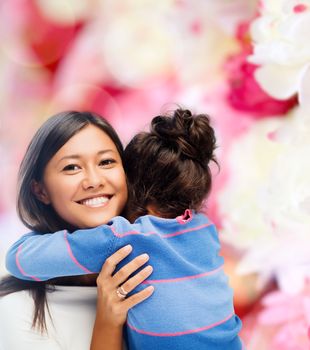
(106, 162)
(71, 167)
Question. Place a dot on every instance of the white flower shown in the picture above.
(274, 228)
(304, 96)
(282, 46)
(250, 160)
(66, 11)
(141, 47)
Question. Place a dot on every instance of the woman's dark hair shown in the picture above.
(168, 167)
(49, 138)
(36, 215)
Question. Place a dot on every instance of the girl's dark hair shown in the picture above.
(35, 215)
(168, 167)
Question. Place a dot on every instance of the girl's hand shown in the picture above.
(112, 306)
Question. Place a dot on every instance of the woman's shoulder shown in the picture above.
(21, 301)
(72, 311)
(16, 312)
(72, 296)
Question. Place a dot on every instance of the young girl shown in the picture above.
(61, 314)
(169, 177)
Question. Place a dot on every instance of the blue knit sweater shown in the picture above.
(192, 305)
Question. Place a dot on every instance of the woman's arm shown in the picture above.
(111, 308)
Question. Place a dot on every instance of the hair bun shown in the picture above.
(190, 135)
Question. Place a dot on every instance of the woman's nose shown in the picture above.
(93, 179)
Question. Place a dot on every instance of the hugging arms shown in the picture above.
(181, 241)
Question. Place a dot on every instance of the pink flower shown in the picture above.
(245, 94)
(31, 39)
(290, 314)
(279, 322)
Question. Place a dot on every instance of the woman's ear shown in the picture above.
(40, 192)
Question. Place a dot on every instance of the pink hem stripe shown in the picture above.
(20, 267)
(73, 257)
(179, 279)
(183, 332)
(168, 235)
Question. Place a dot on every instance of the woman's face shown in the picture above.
(85, 180)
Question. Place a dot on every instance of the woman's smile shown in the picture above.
(96, 201)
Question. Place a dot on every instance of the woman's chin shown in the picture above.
(95, 219)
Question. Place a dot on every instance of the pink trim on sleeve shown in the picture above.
(73, 257)
(22, 271)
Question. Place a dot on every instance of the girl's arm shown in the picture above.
(41, 257)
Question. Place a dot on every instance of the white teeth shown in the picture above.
(95, 202)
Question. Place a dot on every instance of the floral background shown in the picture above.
(244, 62)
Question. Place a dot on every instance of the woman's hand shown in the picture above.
(113, 306)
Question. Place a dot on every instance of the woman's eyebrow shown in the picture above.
(77, 156)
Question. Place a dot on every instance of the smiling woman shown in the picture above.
(71, 177)
(89, 186)
(169, 178)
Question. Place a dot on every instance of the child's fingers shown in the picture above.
(123, 274)
(111, 262)
(134, 281)
(138, 297)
